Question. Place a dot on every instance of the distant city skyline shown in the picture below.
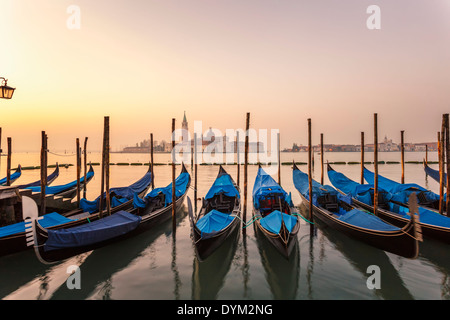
(72, 63)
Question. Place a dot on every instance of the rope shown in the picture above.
(251, 221)
(62, 155)
(299, 215)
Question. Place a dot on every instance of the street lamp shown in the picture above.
(6, 92)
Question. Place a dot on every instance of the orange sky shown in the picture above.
(145, 62)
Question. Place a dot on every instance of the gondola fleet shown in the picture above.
(404, 213)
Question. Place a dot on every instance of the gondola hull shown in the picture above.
(283, 245)
(273, 205)
(148, 221)
(205, 247)
(401, 242)
(223, 193)
(429, 231)
(433, 231)
(137, 220)
(17, 242)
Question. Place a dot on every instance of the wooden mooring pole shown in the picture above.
(195, 172)
(0, 148)
(85, 167)
(8, 162)
(375, 163)
(151, 161)
(43, 172)
(174, 225)
(442, 166)
(402, 142)
(321, 159)
(362, 157)
(447, 160)
(238, 159)
(78, 172)
(107, 171)
(311, 215)
(247, 127)
(279, 158)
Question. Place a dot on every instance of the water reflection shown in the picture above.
(282, 274)
(208, 276)
(99, 267)
(361, 256)
(31, 278)
(436, 253)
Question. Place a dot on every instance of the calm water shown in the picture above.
(160, 265)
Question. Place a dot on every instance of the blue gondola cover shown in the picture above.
(12, 177)
(214, 221)
(125, 193)
(223, 184)
(399, 192)
(264, 186)
(361, 192)
(181, 183)
(49, 220)
(366, 220)
(435, 174)
(349, 186)
(273, 221)
(112, 226)
(63, 187)
(301, 183)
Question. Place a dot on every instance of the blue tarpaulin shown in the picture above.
(12, 177)
(223, 184)
(435, 174)
(37, 183)
(273, 221)
(301, 183)
(425, 216)
(213, 222)
(112, 226)
(63, 187)
(49, 220)
(123, 193)
(366, 220)
(265, 186)
(361, 192)
(181, 183)
(399, 192)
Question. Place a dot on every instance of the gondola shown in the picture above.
(400, 191)
(68, 190)
(433, 224)
(218, 217)
(50, 178)
(274, 214)
(16, 175)
(55, 245)
(434, 173)
(13, 237)
(338, 212)
(156, 206)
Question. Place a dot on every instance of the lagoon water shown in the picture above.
(159, 264)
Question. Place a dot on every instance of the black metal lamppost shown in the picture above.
(6, 92)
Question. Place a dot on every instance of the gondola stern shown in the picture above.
(33, 229)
